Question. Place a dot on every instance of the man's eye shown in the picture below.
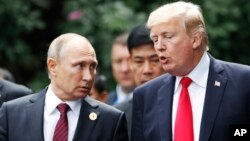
(138, 61)
(93, 66)
(169, 37)
(155, 40)
(118, 61)
(155, 60)
(79, 65)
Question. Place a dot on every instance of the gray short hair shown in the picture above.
(55, 48)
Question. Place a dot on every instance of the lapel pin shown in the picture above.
(217, 83)
(92, 116)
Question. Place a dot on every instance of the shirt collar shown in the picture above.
(121, 93)
(199, 74)
(51, 102)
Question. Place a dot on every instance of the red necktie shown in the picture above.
(184, 118)
(61, 130)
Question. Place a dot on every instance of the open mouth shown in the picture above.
(163, 59)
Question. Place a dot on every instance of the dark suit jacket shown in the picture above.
(10, 90)
(22, 120)
(112, 97)
(228, 103)
(126, 107)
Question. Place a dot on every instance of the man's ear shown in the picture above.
(104, 96)
(51, 63)
(197, 40)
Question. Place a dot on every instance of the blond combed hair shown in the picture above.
(189, 13)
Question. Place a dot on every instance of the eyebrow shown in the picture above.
(153, 55)
(164, 31)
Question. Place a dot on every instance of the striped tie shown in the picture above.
(61, 130)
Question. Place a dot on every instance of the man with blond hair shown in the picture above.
(199, 97)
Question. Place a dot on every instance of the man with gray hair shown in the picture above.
(199, 97)
(63, 111)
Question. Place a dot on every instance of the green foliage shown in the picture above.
(226, 26)
(28, 27)
(100, 23)
(17, 19)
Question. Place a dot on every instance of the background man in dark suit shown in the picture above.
(6, 75)
(10, 90)
(121, 71)
(219, 92)
(72, 66)
(144, 64)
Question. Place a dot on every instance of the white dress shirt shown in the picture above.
(51, 115)
(197, 90)
(121, 95)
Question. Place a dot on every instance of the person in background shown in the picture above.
(6, 75)
(199, 97)
(63, 111)
(121, 71)
(144, 64)
(9, 89)
(99, 89)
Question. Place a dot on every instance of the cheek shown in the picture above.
(115, 68)
(133, 68)
(137, 80)
(75, 76)
(138, 72)
(158, 70)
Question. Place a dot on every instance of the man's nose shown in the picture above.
(125, 66)
(160, 45)
(147, 68)
(86, 75)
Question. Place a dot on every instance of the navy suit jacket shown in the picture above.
(22, 120)
(225, 104)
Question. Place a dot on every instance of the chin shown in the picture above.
(166, 69)
(80, 95)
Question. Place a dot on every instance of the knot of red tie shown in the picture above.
(185, 82)
(63, 108)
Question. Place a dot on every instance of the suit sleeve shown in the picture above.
(137, 118)
(3, 123)
(121, 132)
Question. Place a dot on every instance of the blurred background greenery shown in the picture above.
(28, 27)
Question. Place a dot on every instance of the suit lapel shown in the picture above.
(34, 111)
(85, 124)
(214, 93)
(165, 100)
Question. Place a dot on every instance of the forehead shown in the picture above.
(119, 51)
(172, 25)
(79, 49)
(146, 50)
